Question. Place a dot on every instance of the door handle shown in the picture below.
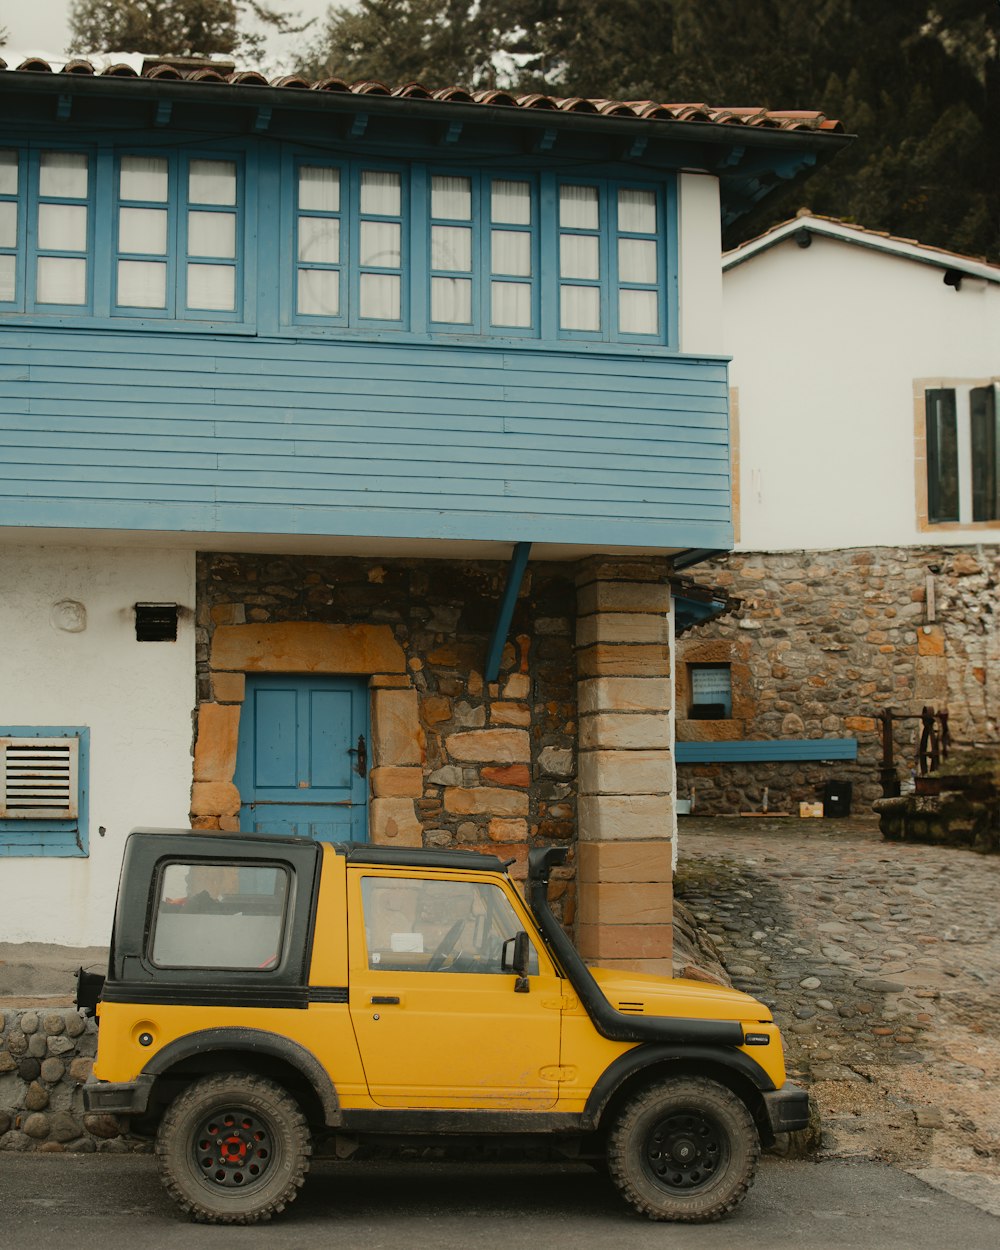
(361, 751)
(385, 1000)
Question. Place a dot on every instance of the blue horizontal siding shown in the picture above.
(759, 752)
(113, 430)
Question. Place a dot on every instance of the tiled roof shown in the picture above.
(849, 232)
(226, 75)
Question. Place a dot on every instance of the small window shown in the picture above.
(984, 417)
(711, 692)
(942, 457)
(415, 925)
(962, 438)
(43, 791)
(222, 916)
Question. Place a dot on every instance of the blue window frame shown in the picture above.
(44, 790)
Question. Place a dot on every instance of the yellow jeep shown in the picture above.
(266, 992)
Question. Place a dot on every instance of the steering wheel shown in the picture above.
(446, 946)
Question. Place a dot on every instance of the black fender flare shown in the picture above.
(653, 1054)
(256, 1042)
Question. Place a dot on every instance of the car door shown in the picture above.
(438, 1022)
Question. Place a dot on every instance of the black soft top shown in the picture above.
(415, 857)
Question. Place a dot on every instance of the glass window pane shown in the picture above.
(510, 304)
(380, 193)
(637, 210)
(319, 292)
(211, 287)
(143, 230)
(511, 203)
(63, 174)
(8, 223)
(511, 252)
(451, 248)
(579, 256)
(61, 280)
(579, 308)
(8, 278)
(452, 198)
(144, 178)
(8, 173)
(578, 208)
(451, 300)
(942, 456)
(319, 189)
(211, 234)
(637, 260)
(142, 284)
(380, 296)
(62, 227)
(380, 244)
(319, 240)
(638, 312)
(212, 182)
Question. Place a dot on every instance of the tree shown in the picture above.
(918, 81)
(174, 27)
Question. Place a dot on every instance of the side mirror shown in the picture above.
(516, 951)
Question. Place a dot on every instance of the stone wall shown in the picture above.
(494, 765)
(824, 642)
(46, 1056)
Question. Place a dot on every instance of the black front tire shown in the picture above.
(685, 1150)
(233, 1149)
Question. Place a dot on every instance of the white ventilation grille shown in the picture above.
(38, 778)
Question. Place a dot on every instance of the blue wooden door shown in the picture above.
(301, 765)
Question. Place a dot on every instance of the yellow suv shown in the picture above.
(266, 992)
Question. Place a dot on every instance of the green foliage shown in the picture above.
(918, 81)
(173, 27)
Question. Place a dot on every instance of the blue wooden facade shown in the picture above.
(296, 313)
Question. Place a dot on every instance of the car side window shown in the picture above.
(417, 925)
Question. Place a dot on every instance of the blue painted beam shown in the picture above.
(772, 752)
(515, 576)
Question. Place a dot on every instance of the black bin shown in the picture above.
(837, 798)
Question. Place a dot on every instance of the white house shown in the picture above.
(865, 372)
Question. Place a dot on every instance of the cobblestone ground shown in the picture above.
(881, 962)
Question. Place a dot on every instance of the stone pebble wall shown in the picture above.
(825, 641)
(499, 759)
(46, 1056)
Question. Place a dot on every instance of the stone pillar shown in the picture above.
(625, 820)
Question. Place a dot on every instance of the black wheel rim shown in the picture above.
(685, 1151)
(233, 1148)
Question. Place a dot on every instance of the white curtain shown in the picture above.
(212, 182)
(637, 260)
(380, 294)
(580, 307)
(62, 227)
(380, 244)
(319, 240)
(8, 173)
(143, 178)
(319, 292)
(451, 248)
(8, 223)
(578, 207)
(8, 278)
(319, 189)
(211, 287)
(142, 284)
(143, 230)
(380, 193)
(61, 280)
(63, 175)
(451, 300)
(451, 198)
(510, 304)
(638, 312)
(511, 252)
(636, 211)
(511, 203)
(579, 256)
(212, 234)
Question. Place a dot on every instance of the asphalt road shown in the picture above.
(92, 1202)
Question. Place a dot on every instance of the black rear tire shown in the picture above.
(684, 1149)
(233, 1149)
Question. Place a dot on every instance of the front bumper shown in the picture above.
(787, 1108)
(118, 1097)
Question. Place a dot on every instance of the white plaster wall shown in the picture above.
(700, 265)
(827, 342)
(136, 698)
